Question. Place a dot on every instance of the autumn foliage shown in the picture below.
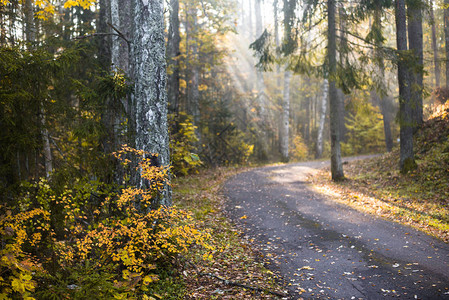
(89, 242)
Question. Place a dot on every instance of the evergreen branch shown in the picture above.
(365, 41)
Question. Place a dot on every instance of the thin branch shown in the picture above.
(234, 283)
(120, 33)
(94, 35)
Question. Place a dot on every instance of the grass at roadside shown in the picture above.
(233, 258)
(419, 199)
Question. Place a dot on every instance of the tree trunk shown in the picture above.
(343, 57)
(30, 35)
(276, 39)
(336, 163)
(150, 96)
(250, 21)
(30, 31)
(173, 52)
(383, 99)
(104, 47)
(259, 27)
(407, 160)
(48, 157)
(319, 141)
(446, 38)
(284, 132)
(434, 45)
(121, 20)
(415, 40)
(193, 94)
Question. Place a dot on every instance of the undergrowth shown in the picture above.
(89, 242)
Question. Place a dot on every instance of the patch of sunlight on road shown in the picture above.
(292, 174)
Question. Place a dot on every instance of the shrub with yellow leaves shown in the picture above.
(113, 245)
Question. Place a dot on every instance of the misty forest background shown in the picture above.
(99, 98)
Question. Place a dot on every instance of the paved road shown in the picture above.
(325, 250)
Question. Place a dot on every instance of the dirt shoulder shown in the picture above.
(375, 186)
(235, 268)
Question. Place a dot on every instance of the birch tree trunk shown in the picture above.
(284, 132)
(407, 160)
(150, 96)
(336, 163)
(173, 52)
(415, 40)
(434, 45)
(319, 142)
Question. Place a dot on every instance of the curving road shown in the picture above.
(325, 250)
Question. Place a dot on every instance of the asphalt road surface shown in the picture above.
(326, 250)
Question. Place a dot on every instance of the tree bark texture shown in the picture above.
(150, 96)
(173, 52)
(434, 45)
(30, 30)
(446, 38)
(415, 40)
(382, 97)
(48, 157)
(121, 20)
(319, 142)
(104, 47)
(30, 36)
(336, 163)
(343, 63)
(193, 93)
(284, 132)
(407, 160)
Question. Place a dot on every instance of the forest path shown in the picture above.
(331, 251)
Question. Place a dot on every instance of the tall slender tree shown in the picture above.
(383, 100)
(173, 56)
(319, 141)
(415, 41)
(436, 62)
(336, 163)
(446, 38)
(407, 159)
